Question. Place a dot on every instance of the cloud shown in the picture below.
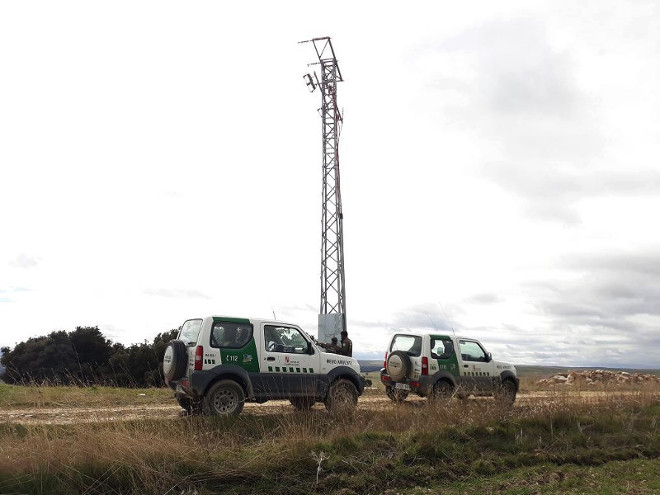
(608, 311)
(24, 261)
(485, 298)
(176, 293)
(544, 128)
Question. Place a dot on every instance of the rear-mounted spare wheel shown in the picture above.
(398, 365)
(175, 360)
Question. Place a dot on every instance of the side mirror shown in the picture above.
(489, 357)
(310, 349)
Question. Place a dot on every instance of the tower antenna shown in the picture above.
(332, 313)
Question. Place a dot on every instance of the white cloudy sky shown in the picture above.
(500, 175)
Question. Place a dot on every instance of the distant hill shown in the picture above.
(369, 365)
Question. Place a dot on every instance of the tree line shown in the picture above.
(85, 357)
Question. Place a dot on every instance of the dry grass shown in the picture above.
(283, 451)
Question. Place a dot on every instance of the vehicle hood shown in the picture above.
(502, 366)
(332, 360)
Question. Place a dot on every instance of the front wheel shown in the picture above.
(396, 395)
(505, 393)
(225, 398)
(342, 397)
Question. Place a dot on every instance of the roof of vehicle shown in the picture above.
(420, 333)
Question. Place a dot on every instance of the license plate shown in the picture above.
(402, 386)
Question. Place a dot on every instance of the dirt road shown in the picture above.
(71, 415)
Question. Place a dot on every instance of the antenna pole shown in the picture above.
(332, 313)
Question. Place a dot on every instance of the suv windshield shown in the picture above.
(411, 344)
(190, 331)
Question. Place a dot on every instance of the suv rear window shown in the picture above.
(230, 335)
(190, 331)
(411, 344)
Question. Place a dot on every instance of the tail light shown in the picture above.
(425, 365)
(199, 357)
(385, 362)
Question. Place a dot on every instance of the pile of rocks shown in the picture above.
(600, 377)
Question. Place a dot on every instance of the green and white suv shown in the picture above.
(441, 366)
(218, 363)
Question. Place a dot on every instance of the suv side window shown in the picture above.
(284, 339)
(230, 335)
(442, 348)
(410, 344)
(471, 351)
(190, 331)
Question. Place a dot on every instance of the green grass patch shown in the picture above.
(21, 396)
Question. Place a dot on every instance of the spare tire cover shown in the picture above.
(175, 360)
(398, 365)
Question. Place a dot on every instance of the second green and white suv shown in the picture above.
(441, 366)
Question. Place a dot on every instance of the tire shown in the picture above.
(224, 398)
(342, 397)
(505, 393)
(175, 360)
(442, 392)
(302, 403)
(398, 365)
(396, 395)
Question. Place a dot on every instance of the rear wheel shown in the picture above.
(396, 395)
(225, 398)
(442, 392)
(342, 397)
(302, 403)
(505, 393)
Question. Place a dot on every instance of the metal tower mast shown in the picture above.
(332, 314)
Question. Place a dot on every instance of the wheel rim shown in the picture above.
(225, 401)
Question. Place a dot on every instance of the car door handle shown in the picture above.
(466, 366)
(270, 358)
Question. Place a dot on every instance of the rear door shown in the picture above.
(188, 334)
(289, 365)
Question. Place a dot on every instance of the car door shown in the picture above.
(475, 367)
(289, 364)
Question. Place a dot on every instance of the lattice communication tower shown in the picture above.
(332, 315)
